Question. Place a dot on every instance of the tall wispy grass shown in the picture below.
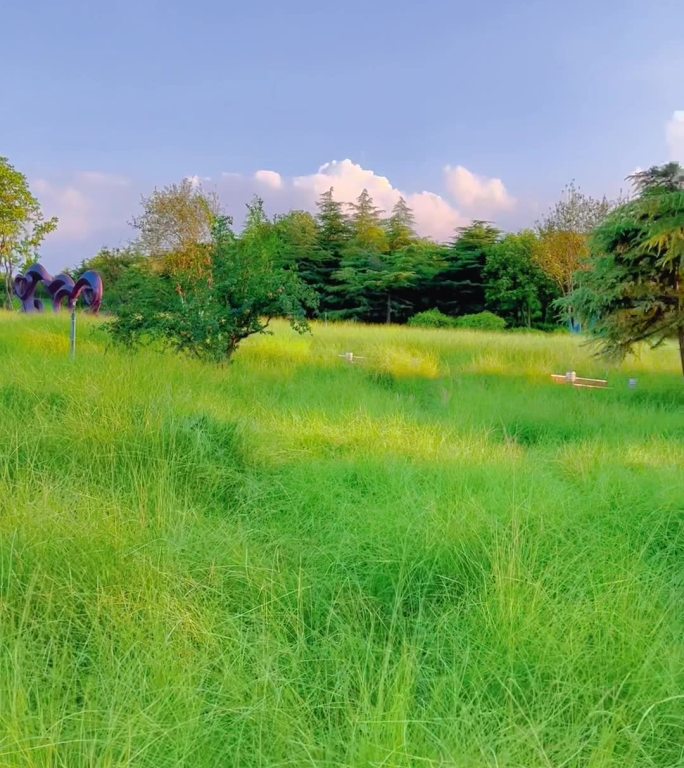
(432, 557)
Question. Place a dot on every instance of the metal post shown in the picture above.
(73, 333)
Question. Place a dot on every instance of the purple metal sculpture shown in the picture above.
(62, 289)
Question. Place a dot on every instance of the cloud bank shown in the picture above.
(94, 208)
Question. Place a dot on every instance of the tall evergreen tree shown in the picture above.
(333, 236)
(400, 226)
(460, 287)
(367, 230)
(384, 263)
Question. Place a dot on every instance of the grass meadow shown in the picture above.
(434, 557)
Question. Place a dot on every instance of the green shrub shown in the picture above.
(431, 318)
(482, 321)
(208, 315)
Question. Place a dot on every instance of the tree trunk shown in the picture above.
(681, 346)
(7, 298)
(388, 316)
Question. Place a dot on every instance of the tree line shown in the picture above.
(189, 279)
(362, 264)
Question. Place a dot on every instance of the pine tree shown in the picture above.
(460, 288)
(366, 224)
(333, 225)
(333, 236)
(383, 263)
(400, 231)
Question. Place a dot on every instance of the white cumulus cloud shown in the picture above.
(435, 216)
(675, 136)
(270, 178)
(479, 195)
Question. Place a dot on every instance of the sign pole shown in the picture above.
(73, 332)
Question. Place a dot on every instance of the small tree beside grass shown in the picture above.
(207, 316)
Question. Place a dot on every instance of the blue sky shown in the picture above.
(469, 109)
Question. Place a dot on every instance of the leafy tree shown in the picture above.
(298, 236)
(634, 290)
(564, 235)
(517, 289)
(175, 228)
(256, 221)
(242, 289)
(576, 211)
(460, 287)
(22, 225)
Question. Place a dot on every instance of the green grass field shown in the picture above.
(435, 557)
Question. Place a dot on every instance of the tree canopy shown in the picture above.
(633, 290)
(175, 227)
(22, 225)
(564, 234)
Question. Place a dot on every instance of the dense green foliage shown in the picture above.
(633, 290)
(240, 288)
(517, 287)
(479, 321)
(482, 321)
(359, 263)
(435, 557)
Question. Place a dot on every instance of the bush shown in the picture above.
(431, 318)
(482, 321)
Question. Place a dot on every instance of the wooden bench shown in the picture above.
(576, 381)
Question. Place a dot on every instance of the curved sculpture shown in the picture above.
(62, 289)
